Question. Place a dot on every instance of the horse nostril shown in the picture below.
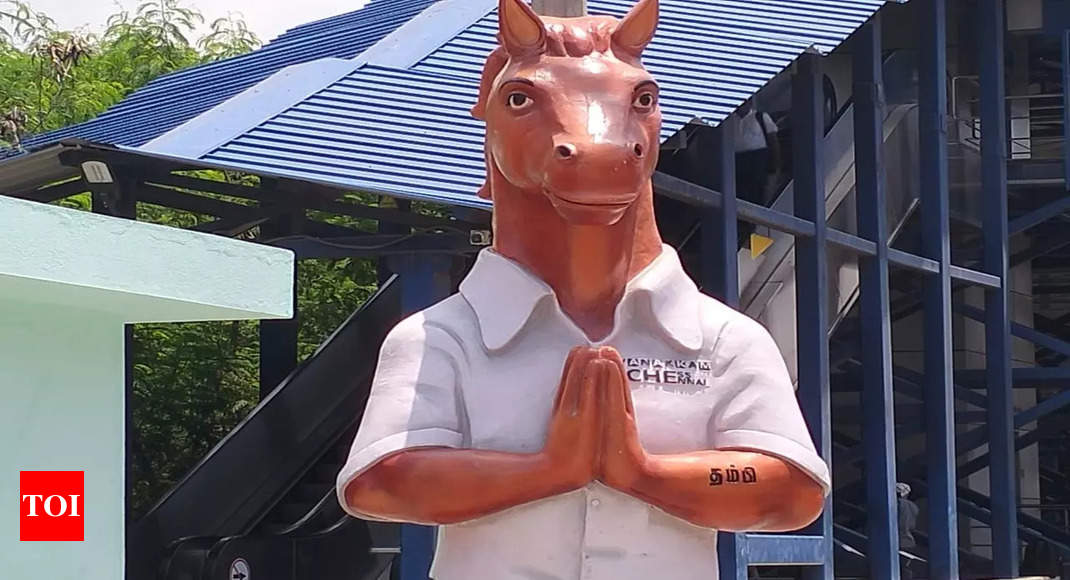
(565, 151)
(638, 150)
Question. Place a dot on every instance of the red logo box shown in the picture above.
(52, 506)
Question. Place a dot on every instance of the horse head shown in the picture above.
(571, 113)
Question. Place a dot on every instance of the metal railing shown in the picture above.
(1036, 121)
(1054, 514)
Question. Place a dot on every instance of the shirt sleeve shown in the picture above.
(414, 399)
(758, 409)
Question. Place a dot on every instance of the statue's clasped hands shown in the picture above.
(592, 433)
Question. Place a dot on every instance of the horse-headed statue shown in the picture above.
(579, 409)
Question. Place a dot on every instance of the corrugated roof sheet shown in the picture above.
(704, 69)
(173, 99)
(408, 132)
(378, 129)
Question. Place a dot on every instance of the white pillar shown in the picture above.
(61, 381)
(69, 281)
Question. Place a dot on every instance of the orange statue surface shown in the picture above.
(579, 409)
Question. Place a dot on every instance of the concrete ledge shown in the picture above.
(137, 272)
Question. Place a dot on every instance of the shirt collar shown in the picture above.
(504, 295)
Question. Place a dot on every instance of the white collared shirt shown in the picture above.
(480, 370)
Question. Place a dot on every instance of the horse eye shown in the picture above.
(518, 100)
(644, 100)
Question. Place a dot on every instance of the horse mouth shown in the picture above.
(616, 202)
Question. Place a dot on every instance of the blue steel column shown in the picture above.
(811, 276)
(939, 397)
(1002, 472)
(878, 402)
(720, 248)
(424, 281)
(720, 240)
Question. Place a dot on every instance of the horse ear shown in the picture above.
(520, 30)
(637, 29)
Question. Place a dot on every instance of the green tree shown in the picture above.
(18, 21)
(229, 37)
(192, 382)
(54, 78)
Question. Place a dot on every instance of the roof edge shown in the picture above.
(427, 31)
(211, 129)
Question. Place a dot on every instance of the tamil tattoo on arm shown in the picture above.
(732, 475)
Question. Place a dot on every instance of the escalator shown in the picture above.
(767, 283)
(262, 501)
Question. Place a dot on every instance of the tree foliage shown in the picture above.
(53, 78)
(18, 21)
(192, 382)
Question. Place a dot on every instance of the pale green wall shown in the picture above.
(61, 387)
(68, 282)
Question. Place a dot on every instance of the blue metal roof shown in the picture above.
(705, 69)
(397, 121)
(374, 130)
(173, 99)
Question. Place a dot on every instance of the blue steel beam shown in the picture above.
(775, 549)
(1046, 407)
(974, 277)
(1039, 215)
(913, 262)
(1003, 470)
(981, 461)
(811, 275)
(1030, 526)
(878, 399)
(939, 400)
(973, 506)
(1021, 331)
(978, 436)
(720, 241)
(1022, 376)
(961, 392)
(703, 197)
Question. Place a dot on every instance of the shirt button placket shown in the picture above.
(591, 529)
(586, 571)
(590, 520)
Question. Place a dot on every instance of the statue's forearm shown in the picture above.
(730, 490)
(443, 486)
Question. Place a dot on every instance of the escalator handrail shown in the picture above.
(275, 443)
(328, 501)
(783, 201)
